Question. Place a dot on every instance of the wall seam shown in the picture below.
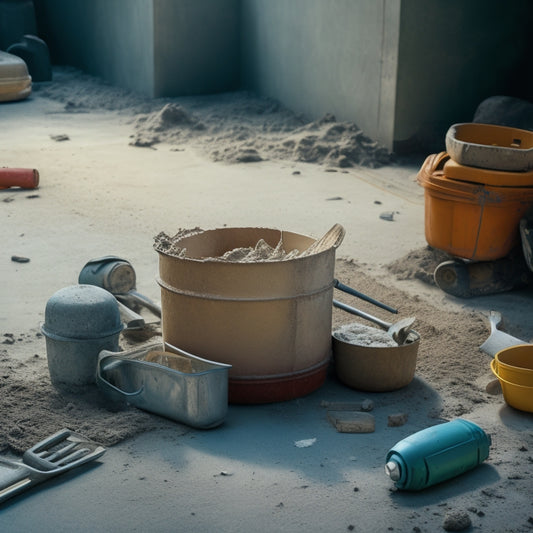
(390, 38)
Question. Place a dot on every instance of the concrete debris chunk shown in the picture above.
(493, 387)
(20, 259)
(456, 521)
(387, 215)
(304, 443)
(352, 421)
(397, 419)
(59, 138)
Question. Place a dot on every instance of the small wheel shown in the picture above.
(452, 277)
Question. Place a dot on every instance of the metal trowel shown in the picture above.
(399, 330)
(498, 340)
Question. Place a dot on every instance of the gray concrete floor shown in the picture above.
(100, 196)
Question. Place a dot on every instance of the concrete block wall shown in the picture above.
(452, 55)
(402, 70)
(155, 47)
(318, 57)
(113, 39)
(196, 46)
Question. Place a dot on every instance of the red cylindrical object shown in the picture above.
(26, 178)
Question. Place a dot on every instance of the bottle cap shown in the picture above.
(392, 469)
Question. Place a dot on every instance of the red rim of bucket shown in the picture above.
(277, 388)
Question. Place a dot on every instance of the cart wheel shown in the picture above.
(465, 279)
(526, 236)
(452, 277)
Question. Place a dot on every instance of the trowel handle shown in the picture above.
(362, 314)
(342, 287)
(129, 317)
(143, 300)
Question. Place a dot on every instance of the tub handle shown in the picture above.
(434, 163)
(112, 390)
(439, 161)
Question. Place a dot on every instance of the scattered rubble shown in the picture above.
(456, 521)
(20, 259)
(397, 419)
(352, 421)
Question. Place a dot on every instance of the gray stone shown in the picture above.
(505, 111)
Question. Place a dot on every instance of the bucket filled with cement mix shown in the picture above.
(248, 298)
(369, 359)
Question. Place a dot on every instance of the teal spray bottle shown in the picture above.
(437, 454)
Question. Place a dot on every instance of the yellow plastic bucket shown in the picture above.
(518, 396)
(515, 364)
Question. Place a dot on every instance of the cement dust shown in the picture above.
(170, 245)
(236, 127)
(448, 358)
(32, 408)
(261, 252)
(361, 335)
(418, 264)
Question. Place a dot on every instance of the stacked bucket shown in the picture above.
(476, 194)
(478, 190)
(513, 367)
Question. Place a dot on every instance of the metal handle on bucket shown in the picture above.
(132, 296)
(338, 285)
(131, 319)
(112, 390)
(362, 314)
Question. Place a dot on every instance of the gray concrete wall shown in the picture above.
(402, 70)
(112, 39)
(321, 57)
(196, 45)
(452, 55)
(156, 47)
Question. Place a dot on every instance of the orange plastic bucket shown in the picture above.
(497, 178)
(470, 220)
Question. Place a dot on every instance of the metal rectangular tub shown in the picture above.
(171, 383)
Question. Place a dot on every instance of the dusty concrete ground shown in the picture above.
(100, 195)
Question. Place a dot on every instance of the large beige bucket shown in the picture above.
(270, 320)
